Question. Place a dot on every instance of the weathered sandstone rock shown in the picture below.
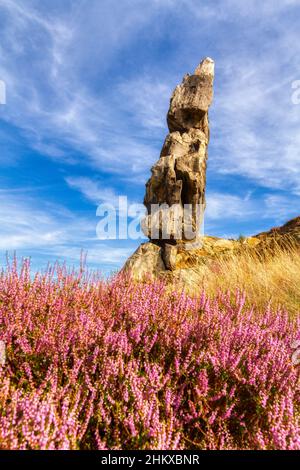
(188, 268)
(191, 100)
(175, 252)
(175, 193)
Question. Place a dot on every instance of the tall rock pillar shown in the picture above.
(175, 192)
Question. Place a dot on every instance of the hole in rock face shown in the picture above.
(191, 117)
(185, 119)
(185, 199)
(186, 190)
(195, 147)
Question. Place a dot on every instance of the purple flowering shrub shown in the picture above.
(91, 364)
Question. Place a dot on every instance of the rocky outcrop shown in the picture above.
(175, 193)
(175, 251)
(189, 267)
(186, 265)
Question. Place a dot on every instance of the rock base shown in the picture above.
(188, 267)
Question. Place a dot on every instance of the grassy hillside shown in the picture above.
(271, 274)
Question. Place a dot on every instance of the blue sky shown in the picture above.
(88, 84)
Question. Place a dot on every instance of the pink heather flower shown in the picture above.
(2, 353)
(296, 357)
(295, 344)
(202, 386)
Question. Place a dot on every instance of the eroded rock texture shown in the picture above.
(178, 179)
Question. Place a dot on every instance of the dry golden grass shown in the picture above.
(272, 275)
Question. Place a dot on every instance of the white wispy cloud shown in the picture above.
(50, 100)
(93, 191)
(255, 125)
(147, 98)
(53, 231)
(26, 224)
(225, 9)
(229, 208)
(254, 122)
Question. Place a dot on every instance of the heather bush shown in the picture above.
(93, 364)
